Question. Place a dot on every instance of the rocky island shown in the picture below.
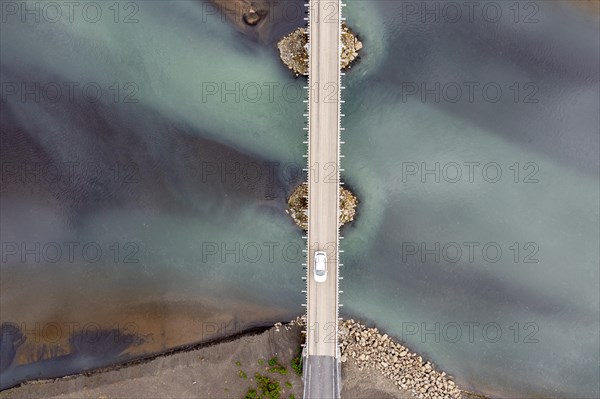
(298, 206)
(293, 49)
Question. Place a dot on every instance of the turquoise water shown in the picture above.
(202, 242)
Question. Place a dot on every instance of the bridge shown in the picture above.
(321, 354)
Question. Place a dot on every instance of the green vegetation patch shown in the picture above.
(276, 367)
(268, 388)
(251, 394)
(297, 362)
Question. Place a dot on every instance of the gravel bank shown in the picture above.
(373, 366)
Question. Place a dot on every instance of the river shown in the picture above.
(144, 182)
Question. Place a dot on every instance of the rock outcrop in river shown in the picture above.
(241, 11)
(298, 206)
(294, 51)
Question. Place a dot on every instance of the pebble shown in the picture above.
(368, 348)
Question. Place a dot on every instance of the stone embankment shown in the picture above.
(366, 347)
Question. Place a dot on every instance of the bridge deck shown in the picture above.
(323, 177)
(322, 367)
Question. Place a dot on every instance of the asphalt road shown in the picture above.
(323, 382)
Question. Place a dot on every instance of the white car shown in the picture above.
(320, 271)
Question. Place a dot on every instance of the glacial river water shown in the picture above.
(148, 148)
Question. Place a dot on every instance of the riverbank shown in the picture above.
(231, 368)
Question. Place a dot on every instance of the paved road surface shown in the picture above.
(323, 382)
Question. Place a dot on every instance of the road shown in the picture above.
(322, 365)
